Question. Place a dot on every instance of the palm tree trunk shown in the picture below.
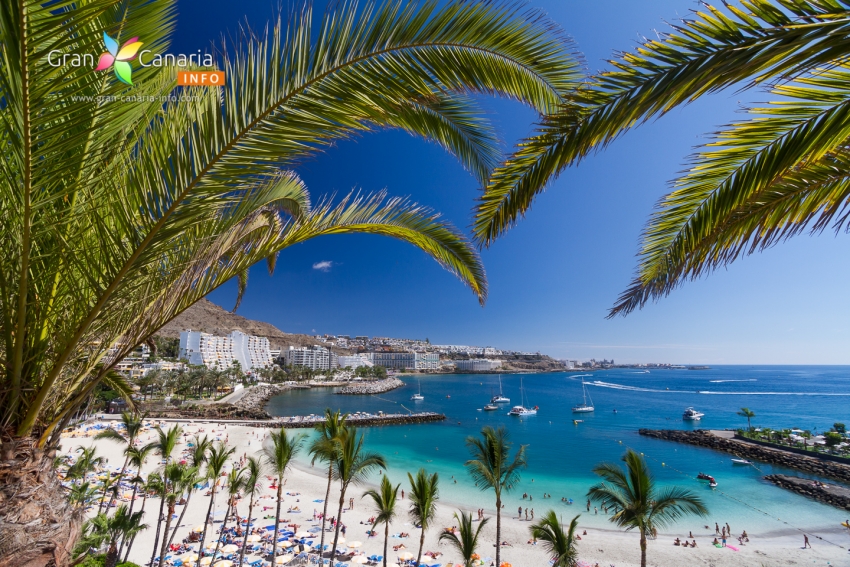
(132, 539)
(111, 555)
(164, 547)
(325, 510)
(421, 545)
(338, 522)
(386, 540)
(642, 548)
(247, 530)
(207, 520)
(102, 498)
(499, 528)
(277, 518)
(118, 484)
(223, 526)
(132, 502)
(158, 526)
(180, 519)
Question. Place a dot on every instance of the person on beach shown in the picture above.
(526, 514)
(716, 529)
(806, 542)
(723, 541)
(595, 510)
(519, 512)
(532, 514)
(588, 504)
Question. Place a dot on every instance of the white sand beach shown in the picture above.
(305, 487)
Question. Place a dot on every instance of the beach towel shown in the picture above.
(732, 547)
(717, 545)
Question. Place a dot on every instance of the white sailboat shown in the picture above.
(418, 397)
(521, 410)
(584, 407)
(500, 399)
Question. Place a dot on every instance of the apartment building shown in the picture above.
(252, 353)
(315, 357)
(477, 364)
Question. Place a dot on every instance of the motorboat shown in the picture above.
(692, 415)
(577, 421)
(741, 462)
(418, 397)
(500, 399)
(584, 407)
(711, 480)
(490, 407)
(521, 410)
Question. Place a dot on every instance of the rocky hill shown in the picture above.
(208, 317)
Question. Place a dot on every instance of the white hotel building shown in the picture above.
(252, 353)
(315, 357)
(477, 364)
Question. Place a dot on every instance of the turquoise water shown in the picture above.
(561, 455)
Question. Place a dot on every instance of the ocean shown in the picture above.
(561, 455)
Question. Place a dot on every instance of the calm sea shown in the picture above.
(561, 455)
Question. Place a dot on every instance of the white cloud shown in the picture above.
(323, 266)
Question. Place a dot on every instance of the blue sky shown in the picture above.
(553, 277)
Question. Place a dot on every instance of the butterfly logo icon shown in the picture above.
(119, 59)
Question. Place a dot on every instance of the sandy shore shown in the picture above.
(605, 547)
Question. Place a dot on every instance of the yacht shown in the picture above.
(584, 407)
(692, 415)
(418, 397)
(521, 410)
(490, 407)
(500, 399)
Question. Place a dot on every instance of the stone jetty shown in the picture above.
(369, 388)
(778, 457)
(837, 496)
(359, 420)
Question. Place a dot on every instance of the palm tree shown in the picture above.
(253, 477)
(80, 495)
(163, 446)
(758, 182)
(197, 459)
(492, 468)
(384, 501)
(749, 414)
(153, 485)
(561, 545)
(138, 456)
(639, 503)
(466, 541)
(235, 484)
(325, 449)
(424, 493)
(351, 466)
(132, 427)
(180, 198)
(177, 478)
(104, 530)
(278, 458)
(218, 456)
(86, 462)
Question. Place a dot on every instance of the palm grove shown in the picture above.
(494, 465)
(118, 217)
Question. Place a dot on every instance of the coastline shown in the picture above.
(602, 544)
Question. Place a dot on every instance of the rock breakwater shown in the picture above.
(368, 388)
(828, 494)
(370, 420)
(703, 438)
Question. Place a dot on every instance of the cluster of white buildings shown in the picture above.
(252, 353)
(314, 357)
(477, 364)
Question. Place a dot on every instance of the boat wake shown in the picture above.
(578, 376)
(721, 381)
(634, 388)
(772, 393)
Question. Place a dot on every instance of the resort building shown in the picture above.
(477, 364)
(405, 360)
(315, 357)
(252, 353)
(354, 361)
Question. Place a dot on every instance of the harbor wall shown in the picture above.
(822, 456)
(369, 388)
(832, 495)
(778, 457)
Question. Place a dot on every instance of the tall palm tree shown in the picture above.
(639, 503)
(235, 484)
(132, 423)
(218, 456)
(492, 468)
(325, 449)
(385, 512)
(197, 459)
(253, 477)
(104, 530)
(560, 544)
(87, 461)
(760, 180)
(166, 441)
(278, 458)
(179, 198)
(749, 414)
(424, 493)
(138, 456)
(465, 541)
(153, 485)
(351, 466)
(176, 479)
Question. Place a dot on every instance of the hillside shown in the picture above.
(208, 317)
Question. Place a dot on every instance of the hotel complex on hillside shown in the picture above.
(252, 353)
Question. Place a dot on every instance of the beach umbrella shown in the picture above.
(280, 560)
(406, 556)
(359, 559)
(354, 544)
(223, 563)
(340, 540)
(304, 534)
(230, 548)
(285, 544)
(206, 560)
(198, 529)
(253, 538)
(189, 557)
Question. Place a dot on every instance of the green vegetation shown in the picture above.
(384, 501)
(638, 503)
(424, 494)
(802, 440)
(778, 173)
(749, 414)
(465, 542)
(560, 544)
